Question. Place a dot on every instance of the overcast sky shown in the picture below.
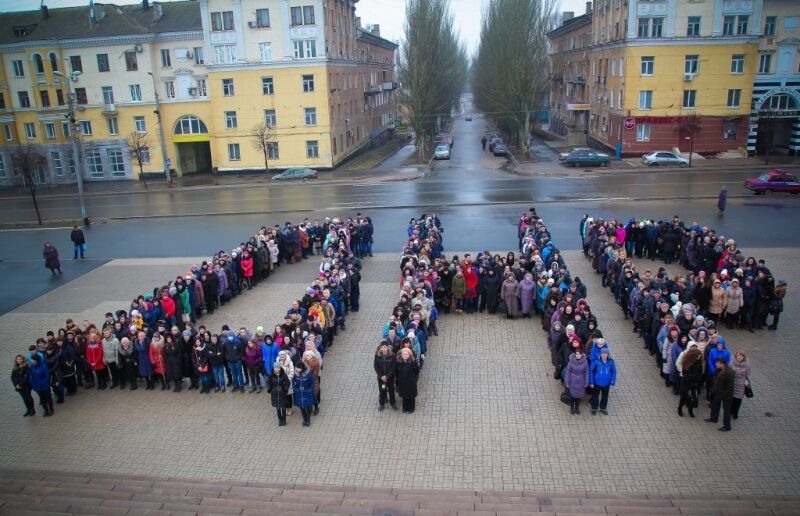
(389, 14)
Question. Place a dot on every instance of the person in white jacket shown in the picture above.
(285, 360)
(734, 301)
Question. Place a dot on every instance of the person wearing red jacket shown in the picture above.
(471, 293)
(158, 358)
(247, 269)
(168, 305)
(95, 360)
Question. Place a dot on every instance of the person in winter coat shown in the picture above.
(234, 353)
(509, 293)
(576, 379)
(303, 387)
(459, 289)
(598, 345)
(602, 376)
(254, 362)
(110, 350)
(734, 302)
(285, 360)
(246, 264)
(527, 294)
(216, 355)
(127, 359)
(278, 385)
(407, 374)
(491, 285)
(20, 378)
(145, 366)
(723, 395)
(158, 359)
(741, 370)
(39, 378)
(717, 304)
(51, 261)
(722, 199)
(471, 288)
(201, 360)
(716, 351)
(690, 365)
(384, 365)
(96, 361)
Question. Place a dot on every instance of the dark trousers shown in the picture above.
(386, 390)
(600, 394)
(71, 384)
(27, 398)
(409, 404)
(575, 403)
(281, 414)
(46, 400)
(716, 403)
(254, 375)
(306, 412)
(114, 373)
(736, 404)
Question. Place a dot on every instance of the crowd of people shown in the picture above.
(158, 341)
(680, 318)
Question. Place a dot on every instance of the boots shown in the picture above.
(164, 383)
(178, 385)
(149, 382)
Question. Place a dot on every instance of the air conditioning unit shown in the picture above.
(687, 77)
(252, 24)
(193, 92)
(137, 48)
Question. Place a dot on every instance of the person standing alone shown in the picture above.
(78, 242)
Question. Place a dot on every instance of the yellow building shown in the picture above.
(212, 71)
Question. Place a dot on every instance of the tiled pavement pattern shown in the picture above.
(488, 416)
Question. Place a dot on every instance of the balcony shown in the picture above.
(109, 109)
(373, 89)
(578, 79)
(389, 86)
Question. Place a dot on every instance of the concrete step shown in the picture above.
(26, 492)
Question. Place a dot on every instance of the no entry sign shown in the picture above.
(630, 123)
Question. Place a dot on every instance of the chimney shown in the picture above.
(45, 12)
(376, 29)
(588, 7)
(145, 4)
(567, 15)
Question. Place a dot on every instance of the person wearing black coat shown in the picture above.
(216, 353)
(68, 365)
(173, 351)
(407, 373)
(722, 396)
(278, 388)
(210, 284)
(52, 362)
(128, 360)
(20, 378)
(234, 353)
(385, 364)
(78, 241)
(491, 284)
(355, 289)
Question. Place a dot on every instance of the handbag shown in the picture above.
(203, 369)
(566, 398)
(748, 391)
(501, 307)
(185, 318)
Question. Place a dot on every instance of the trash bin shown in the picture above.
(618, 151)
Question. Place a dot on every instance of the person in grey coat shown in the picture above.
(509, 292)
(741, 379)
(576, 379)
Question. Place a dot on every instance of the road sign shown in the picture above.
(630, 123)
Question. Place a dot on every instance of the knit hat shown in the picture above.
(259, 329)
(187, 333)
(277, 365)
(172, 291)
(605, 351)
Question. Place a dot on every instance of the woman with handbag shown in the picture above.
(741, 382)
(200, 360)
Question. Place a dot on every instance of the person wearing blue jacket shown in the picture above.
(269, 350)
(598, 345)
(40, 382)
(715, 351)
(602, 376)
(304, 393)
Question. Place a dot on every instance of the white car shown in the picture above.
(657, 158)
(442, 152)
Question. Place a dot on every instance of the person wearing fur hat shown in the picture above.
(278, 386)
(602, 376)
(576, 378)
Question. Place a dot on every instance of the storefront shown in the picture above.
(774, 126)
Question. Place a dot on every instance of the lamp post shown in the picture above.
(76, 148)
(161, 131)
(691, 148)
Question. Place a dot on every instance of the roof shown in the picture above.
(369, 37)
(571, 24)
(124, 20)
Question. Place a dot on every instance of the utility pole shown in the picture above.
(161, 131)
(76, 147)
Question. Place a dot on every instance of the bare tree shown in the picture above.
(432, 67)
(26, 159)
(263, 138)
(139, 146)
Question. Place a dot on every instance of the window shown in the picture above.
(648, 65)
(190, 125)
(71, 164)
(37, 62)
(737, 63)
(790, 23)
(227, 87)
(50, 130)
(642, 132)
(262, 18)
(267, 86)
(764, 63)
(202, 90)
(166, 60)
(80, 96)
(2, 167)
(689, 97)
(769, 25)
(312, 149)
(222, 21)
(94, 163)
(741, 24)
(225, 53)
(310, 115)
(53, 61)
(265, 49)
(8, 133)
(60, 97)
(272, 150)
(116, 162)
(58, 167)
(230, 120)
(169, 89)
(86, 127)
(297, 15)
(270, 118)
(729, 131)
(136, 92)
(690, 65)
(693, 26)
(646, 99)
(113, 126)
(44, 96)
(734, 98)
(305, 48)
(644, 26)
(30, 130)
(308, 83)
(140, 126)
(308, 15)
(131, 62)
(65, 129)
(234, 154)
(198, 56)
(19, 69)
(75, 63)
(102, 63)
(727, 25)
(144, 155)
(2, 101)
(108, 94)
(656, 27)
(24, 99)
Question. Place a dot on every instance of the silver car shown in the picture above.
(442, 152)
(657, 158)
(296, 173)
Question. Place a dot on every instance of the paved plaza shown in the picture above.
(488, 415)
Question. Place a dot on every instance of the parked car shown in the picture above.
(563, 155)
(657, 158)
(445, 139)
(468, 118)
(776, 180)
(587, 158)
(296, 173)
(500, 149)
(493, 141)
(442, 152)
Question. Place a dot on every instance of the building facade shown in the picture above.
(221, 70)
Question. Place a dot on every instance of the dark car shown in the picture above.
(776, 180)
(586, 158)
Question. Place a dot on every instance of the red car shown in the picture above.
(776, 180)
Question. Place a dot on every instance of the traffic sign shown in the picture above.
(630, 123)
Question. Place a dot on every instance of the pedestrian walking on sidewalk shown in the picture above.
(483, 144)
(51, 260)
(78, 242)
(722, 200)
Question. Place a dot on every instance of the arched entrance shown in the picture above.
(775, 123)
(190, 137)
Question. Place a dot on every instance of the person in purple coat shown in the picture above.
(576, 379)
(527, 294)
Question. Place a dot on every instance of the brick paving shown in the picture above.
(488, 417)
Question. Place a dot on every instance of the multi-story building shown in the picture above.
(569, 56)
(219, 68)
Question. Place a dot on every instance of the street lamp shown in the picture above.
(76, 150)
(691, 147)
(161, 131)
